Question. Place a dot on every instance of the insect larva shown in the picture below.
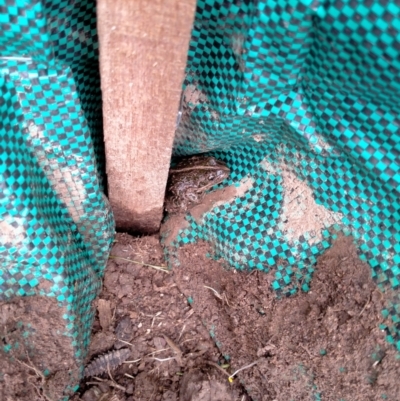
(109, 361)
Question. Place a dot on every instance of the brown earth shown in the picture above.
(31, 341)
(322, 345)
(155, 334)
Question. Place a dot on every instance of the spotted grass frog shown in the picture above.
(189, 180)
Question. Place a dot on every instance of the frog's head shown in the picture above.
(216, 172)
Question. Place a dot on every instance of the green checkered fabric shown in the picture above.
(309, 89)
(56, 226)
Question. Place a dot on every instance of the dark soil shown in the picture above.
(322, 345)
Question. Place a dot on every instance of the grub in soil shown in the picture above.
(40, 362)
(107, 362)
(325, 344)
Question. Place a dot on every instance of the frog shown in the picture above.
(190, 179)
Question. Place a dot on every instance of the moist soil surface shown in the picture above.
(206, 332)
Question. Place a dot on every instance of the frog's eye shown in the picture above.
(192, 197)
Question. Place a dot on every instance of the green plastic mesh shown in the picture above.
(290, 93)
(56, 226)
(285, 91)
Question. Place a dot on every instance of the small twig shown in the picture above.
(160, 268)
(308, 352)
(226, 300)
(218, 367)
(189, 339)
(39, 374)
(252, 272)
(151, 353)
(214, 291)
(175, 348)
(376, 363)
(365, 306)
(109, 374)
(154, 316)
(164, 359)
(189, 314)
(135, 361)
(230, 378)
(180, 335)
(36, 370)
(109, 382)
(127, 375)
(125, 342)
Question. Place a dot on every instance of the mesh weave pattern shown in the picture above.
(56, 226)
(306, 91)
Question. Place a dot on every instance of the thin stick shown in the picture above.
(175, 348)
(306, 349)
(365, 306)
(160, 268)
(214, 291)
(230, 378)
(218, 367)
(125, 342)
(190, 339)
(37, 371)
(151, 353)
(109, 382)
(180, 335)
(109, 374)
(164, 359)
(135, 361)
(38, 374)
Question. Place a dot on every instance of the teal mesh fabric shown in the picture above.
(305, 93)
(56, 226)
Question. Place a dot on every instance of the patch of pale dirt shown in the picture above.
(301, 214)
(171, 227)
(220, 197)
(194, 95)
